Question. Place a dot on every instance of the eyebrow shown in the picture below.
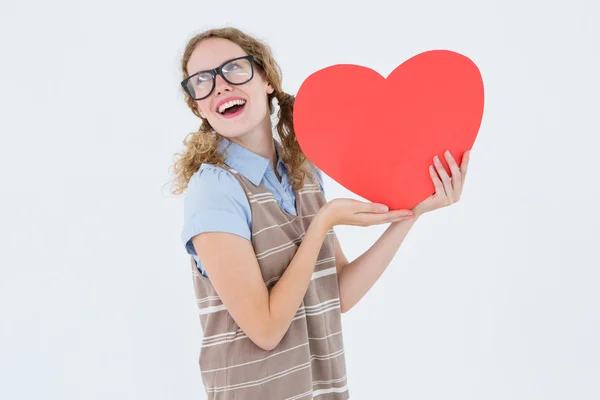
(223, 63)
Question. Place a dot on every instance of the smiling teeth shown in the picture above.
(231, 103)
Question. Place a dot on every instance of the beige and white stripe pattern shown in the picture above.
(309, 362)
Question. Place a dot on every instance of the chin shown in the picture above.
(235, 129)
(232, 134)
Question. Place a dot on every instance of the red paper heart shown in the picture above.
(377, 136)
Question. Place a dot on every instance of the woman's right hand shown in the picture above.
(360, 213)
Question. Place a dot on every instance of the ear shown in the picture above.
(270, 88)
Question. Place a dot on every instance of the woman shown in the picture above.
(270, 276)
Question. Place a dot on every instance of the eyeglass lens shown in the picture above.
(236, 72)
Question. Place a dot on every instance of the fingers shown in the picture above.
(453, 186)
(465, 164)
(446, 193)
(439, 186)
(372, 207)
(352, 206)
(366, 219)
(456, 176)
(445, 178)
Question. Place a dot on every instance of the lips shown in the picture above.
(227, 100)
(230, 114)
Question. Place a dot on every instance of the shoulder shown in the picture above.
(211, 183)
(215, 201)
(209, 175)
(213, 187)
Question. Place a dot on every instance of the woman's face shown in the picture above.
(249, 100)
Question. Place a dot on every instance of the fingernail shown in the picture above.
(384, 208)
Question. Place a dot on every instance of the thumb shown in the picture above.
(375, 208)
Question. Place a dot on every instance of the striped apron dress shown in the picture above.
(309, 362)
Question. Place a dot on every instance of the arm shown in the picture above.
(356, 278)
(264, 316)
(217, 230)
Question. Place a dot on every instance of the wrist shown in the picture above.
(322, 220)
(405, 222)
(417, 212)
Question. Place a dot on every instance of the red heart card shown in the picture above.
(377, 137)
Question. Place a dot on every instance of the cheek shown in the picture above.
(203, 107)
(261, 100)
(259, 108)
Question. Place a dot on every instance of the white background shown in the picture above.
(493, 298)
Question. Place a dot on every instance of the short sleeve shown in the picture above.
(215, 202)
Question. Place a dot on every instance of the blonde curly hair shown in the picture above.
(202, 146)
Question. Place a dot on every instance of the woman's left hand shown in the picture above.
(448, 189)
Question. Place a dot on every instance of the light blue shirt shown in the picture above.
(216, 202)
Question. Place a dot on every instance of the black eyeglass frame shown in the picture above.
(219, 70)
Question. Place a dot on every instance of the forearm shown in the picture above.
(358, 276)
(287, 294)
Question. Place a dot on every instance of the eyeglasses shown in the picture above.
(236, 72)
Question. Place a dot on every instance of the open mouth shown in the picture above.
(232, 108)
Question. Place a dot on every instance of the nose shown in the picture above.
(221, 85)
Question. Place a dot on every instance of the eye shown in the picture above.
(233, 66)
(202, 79)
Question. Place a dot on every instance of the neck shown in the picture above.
(260, 141)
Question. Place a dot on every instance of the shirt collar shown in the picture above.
(249, 164)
